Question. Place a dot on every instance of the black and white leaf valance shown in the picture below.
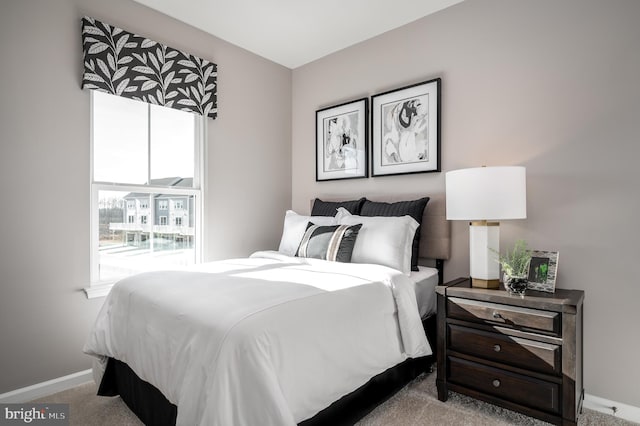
(125, 64)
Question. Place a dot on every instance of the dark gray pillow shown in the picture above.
(334, 243)
(413, 208)
(330, 208)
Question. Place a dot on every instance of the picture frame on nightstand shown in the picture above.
(543, 269)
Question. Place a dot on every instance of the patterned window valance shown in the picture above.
(125, 64)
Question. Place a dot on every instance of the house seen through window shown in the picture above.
(146, 168)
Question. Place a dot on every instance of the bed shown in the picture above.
(271, 339)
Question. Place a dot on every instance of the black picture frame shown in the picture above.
(342, 141)
(405, 130)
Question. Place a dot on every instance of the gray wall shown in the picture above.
(44, 171)
(549, 85)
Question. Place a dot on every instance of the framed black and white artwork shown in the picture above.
(405, 130)
(543, 268)
(341, 141)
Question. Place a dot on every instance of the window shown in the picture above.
(178, 221)
(142, 156)
(178, 204)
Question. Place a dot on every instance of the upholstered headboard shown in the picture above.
(435, 234)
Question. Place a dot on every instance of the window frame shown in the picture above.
(98, 288)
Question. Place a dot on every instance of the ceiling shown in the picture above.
(295, 32)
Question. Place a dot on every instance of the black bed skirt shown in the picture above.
(153, 409)
(144, 399)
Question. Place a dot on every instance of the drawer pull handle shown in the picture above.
(497, 348)
(497, 315)
(496, 383)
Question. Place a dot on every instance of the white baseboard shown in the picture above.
(624, 411)
(47, 388)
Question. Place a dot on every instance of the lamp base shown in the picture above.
(484, 242)
(480, 283)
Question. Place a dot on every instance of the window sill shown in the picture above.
(98, 290)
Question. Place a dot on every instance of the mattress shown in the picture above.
(426, 280)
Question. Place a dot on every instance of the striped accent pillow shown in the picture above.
(334, 243)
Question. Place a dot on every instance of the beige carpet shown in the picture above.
(415, 405)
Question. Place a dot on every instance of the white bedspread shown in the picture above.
(268, 340)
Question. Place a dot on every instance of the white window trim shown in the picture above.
(99, 288)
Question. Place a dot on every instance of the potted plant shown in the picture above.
(515, 266)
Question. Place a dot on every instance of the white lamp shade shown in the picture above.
(486, 193)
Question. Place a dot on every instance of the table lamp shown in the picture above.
(485, 195)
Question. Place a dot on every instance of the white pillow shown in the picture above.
(382, 240)
(294, 227)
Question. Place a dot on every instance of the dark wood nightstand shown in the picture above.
(524, 354)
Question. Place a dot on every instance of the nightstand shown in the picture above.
(524, 354)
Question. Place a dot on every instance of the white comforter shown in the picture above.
(269, 340)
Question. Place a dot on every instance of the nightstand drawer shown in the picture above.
(518, 352)
(505, 315)
(509, 386)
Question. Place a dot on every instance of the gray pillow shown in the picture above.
(329, 208)
(334, 242)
